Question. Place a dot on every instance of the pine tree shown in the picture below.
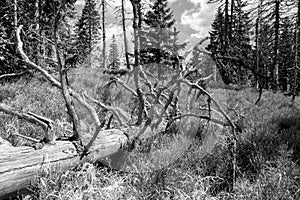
(87, 29)
(114, 62)
(159, 38)
(217, 45)
(286, 56)
(236, 46)
(240, 43)
(217, 39)
(227, 17)
(37, 17)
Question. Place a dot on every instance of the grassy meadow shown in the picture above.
(267, 149)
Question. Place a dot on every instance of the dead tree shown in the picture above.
(155, 99)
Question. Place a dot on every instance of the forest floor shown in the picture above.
(267, 153)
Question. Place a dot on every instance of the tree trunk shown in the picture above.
(226, 23)
(231, 19)
(135, 33)
(276, 27)
(257, 40)
(103, 35)
(295, 70)
(20, 165)
(125, 36)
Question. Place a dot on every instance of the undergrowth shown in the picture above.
(268, 151)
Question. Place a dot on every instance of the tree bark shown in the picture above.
(125, 36)
(20, 165)
(296, 67)
(276, 41)
(103, 35)
(226, 23)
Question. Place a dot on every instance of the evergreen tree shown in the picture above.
(87, 29)
(37, 18)
(286, 56)
(159, 38)
(227, 24)
(240, 43)
(114, 62)
(217, 45)
(237, 46)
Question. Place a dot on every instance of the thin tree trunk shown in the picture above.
(38, 31)
(64, 87)
(136, 36)
(125, 36)
(90, 41)
(296, 54)
(15, 23)
(257, 41)
(16, 14)
(103, 35)
(231, 19)
(226, 23)
(276, 44)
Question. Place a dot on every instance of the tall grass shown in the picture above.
(191, 168)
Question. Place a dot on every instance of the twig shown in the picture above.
(127, 87)
(89, 108)
(212, 99)
(26, 137)
(45, 123)
(97, 131)
(216, 121)
(116, 111)
(13, 74)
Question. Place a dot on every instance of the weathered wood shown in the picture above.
(20, 165)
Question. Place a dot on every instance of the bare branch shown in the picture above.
(216, 121)
(45, 123)
(26, 137)
(167, 104)
(13, 74)
(30, 63)
(116, 111)
(212, 99)
(90, 108)
(97, 131)
(127, 87)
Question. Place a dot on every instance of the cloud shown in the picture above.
(195, 1)
(171, 1)
(200, 17)
(79, 2)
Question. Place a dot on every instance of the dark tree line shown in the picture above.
(38, 19)
(257, 43)
(156, 38)
(252, 43)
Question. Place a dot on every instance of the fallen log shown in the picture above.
(20, 165)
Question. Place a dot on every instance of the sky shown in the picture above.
(193, 17)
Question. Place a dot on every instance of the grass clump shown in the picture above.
(268, 151)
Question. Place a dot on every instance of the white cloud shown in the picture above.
(200, 17)
(171, 1)
(197, 35)
(79, 2)
(196, 2)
